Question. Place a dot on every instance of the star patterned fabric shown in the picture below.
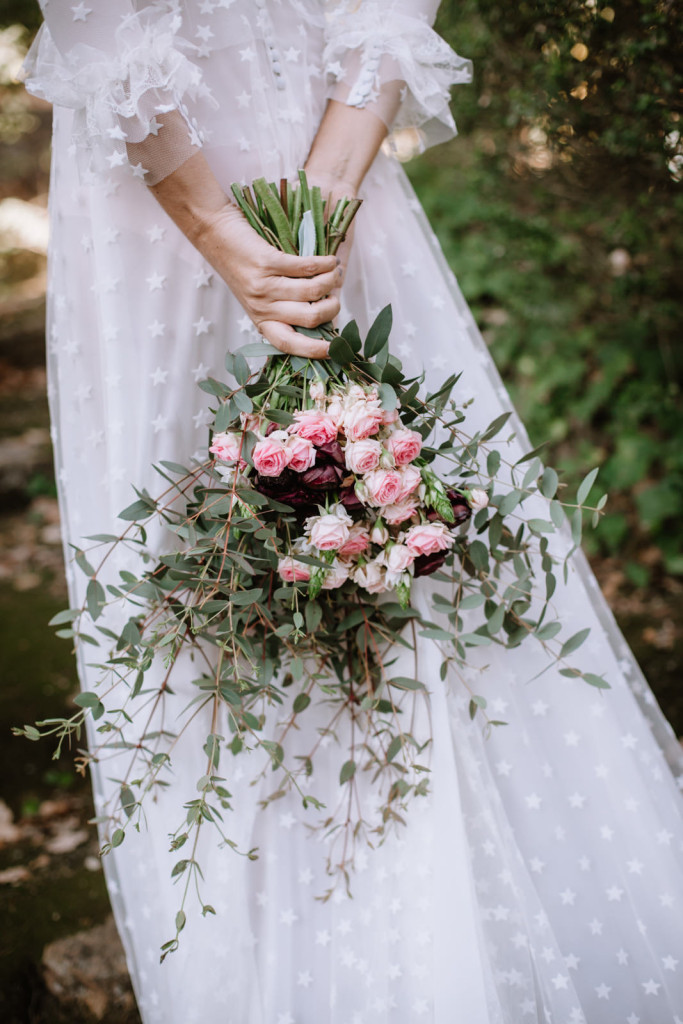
(540, 881)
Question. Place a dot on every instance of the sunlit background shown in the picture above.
(559, 209)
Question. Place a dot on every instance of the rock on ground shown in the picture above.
(86, 974)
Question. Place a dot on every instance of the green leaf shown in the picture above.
(404, 683)
(556, 513)
(128, 800)
(598, 681)
(532, 454)
(301, 702)
(314, 614)
(347, 772)
(243, 401)
(394, 748)
(351, 334)
(388, 398)
(68, 615)
(547, 632)
(118, 837)
(139, 509)
(256, 348)
(279, 416)
(586, 484)
(493, 462)
(541, 526)
(95, 599)
(180, 920)
(341, 352)
(378, 335)
(83, 563)
(472, 601)
(574, 642)
(496, 426)
(549, 482)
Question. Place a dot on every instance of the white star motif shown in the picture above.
(157, 330)
(203, 278)
(292, 55)
(503, 768)
(576, 800)
(622, 957)
(394, 971)
(202, 326)
(601, 771)
(606, 832)
(651, 987)
(572, 962)
(666, 899)
(408, 269)
(243, 100)
(322, 938)
(261, 899)
(632, 1019)
(533, 801)
(117, 158)
(614, 894)
(568, 897)
(204, 33)
(285, 1018)
(288, 917)
(156, 233)
(539, 708)
(81, 12)
(628, 741)
(111, 235)
(603, 991)
(159, 423)
(420, 1006)
(595, 926)
(199, 373)
(536, 865)
(527, 1006)
(410, 329)
(571, 739)
(247, 54)
(156, 282)
(669, 963)
(304, 978)
(664, 838)
(138, 171)
(584, 863)
(560, 981)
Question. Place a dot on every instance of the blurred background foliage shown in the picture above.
(559, 208)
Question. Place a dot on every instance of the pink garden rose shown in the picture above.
(361, 420)
(226, 447)
(270, 456)
(428, 538)
(337, 574)
(398, 513)
(317, 391)
(477, 498)
(411, 478)
(357, 542)
(389, 416)
(301, 453)
(405, 445)
(383, 486)
(331, 531)
(290, 570)
(314, 425)
(362, 456)
(371, 576)
(398, 558)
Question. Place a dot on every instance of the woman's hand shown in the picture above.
(276, 290)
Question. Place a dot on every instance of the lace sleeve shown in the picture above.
(127, 74)
(383, 55)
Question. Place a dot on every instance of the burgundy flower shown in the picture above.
(350, 499)
(461, 510)
(329, 453)
(322, 477)
(425, 565)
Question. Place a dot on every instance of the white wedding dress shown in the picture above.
(542, 879)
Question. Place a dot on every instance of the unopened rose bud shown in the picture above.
(379, 533)
(317, 391)
(477, 498)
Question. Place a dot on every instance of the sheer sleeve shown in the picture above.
(127, 74)
(384, 55)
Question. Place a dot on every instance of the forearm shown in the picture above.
(344, 147)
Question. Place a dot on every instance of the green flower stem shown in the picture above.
(277, 216)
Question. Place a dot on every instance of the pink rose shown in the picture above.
(389, 416)
(372, 577)
(362, 456)
(270, 456)
(398, 558)
(314, 425)
(337, 574)
(329, 532)
(226, 447)
(361, 420)
(335, 409)
(290, 570)
(428, 538)
(477, 498)
(411, 478)
(317, 391)
(358, 541)
(399, 512)
(404, 445)
(383, 486)
(301, 453)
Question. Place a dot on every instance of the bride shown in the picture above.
(542, 879)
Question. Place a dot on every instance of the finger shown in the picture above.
(301, 266)
(307, 289)
(302, 314)
(286, 339)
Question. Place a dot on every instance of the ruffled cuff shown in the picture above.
(398, 67)
(120, 96)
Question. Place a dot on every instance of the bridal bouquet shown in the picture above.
(293, 550)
